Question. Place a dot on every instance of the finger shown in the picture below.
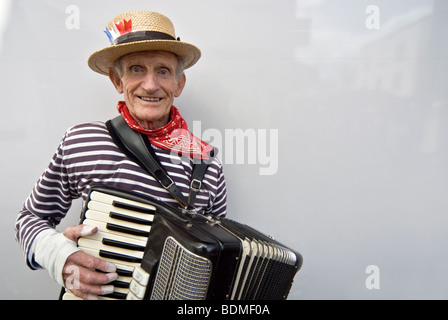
(84, 275)
(75, 232)
(86, 283)
(81, 258)
(90, 292)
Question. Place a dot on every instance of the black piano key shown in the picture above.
(124, 273)
(118, 228)
(120, 284)
(124, 217)
(128, 206)
(116, 295)
(119, 256)
(124, 245)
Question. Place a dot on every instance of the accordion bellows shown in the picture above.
(165, 254)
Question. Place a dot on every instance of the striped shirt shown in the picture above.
(86, 156)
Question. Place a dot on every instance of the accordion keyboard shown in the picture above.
(123, 229)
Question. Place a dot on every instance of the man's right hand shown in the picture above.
(79, 273)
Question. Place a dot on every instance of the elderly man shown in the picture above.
(145, 63)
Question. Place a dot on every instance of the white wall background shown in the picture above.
(357, 95)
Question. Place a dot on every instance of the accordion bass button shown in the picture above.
(141, 276)
(137, 289)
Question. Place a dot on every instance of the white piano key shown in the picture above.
(121, 290)
(107, 298)
(124, 279)
(107, 208)
(99, 236)
(109, 199)
(123, 258)
(117, 263)
(100, 216)
(102, 226)
(93, 244)
(69, 296)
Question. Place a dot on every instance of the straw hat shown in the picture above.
(136, 31)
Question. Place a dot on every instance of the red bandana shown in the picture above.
(173, 136)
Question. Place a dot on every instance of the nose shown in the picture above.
(150, 82)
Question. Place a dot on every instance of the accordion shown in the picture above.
(166, 254)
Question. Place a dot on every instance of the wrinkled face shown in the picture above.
(149, 82)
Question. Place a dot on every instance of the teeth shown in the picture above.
(150, 99)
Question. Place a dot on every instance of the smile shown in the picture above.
(150, 99)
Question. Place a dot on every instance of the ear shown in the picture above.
(116, 80)
(180, 85)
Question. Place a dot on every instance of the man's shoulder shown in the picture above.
(93, 127)
(87, 132)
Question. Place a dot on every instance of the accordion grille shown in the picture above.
(181, 275)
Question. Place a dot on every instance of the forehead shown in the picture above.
(150, 57)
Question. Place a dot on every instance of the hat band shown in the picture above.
(142, 36)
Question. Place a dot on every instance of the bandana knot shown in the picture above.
(174, 136)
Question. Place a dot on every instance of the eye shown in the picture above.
(136, 69)
(164, 72)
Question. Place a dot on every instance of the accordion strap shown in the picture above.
(137, 146)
